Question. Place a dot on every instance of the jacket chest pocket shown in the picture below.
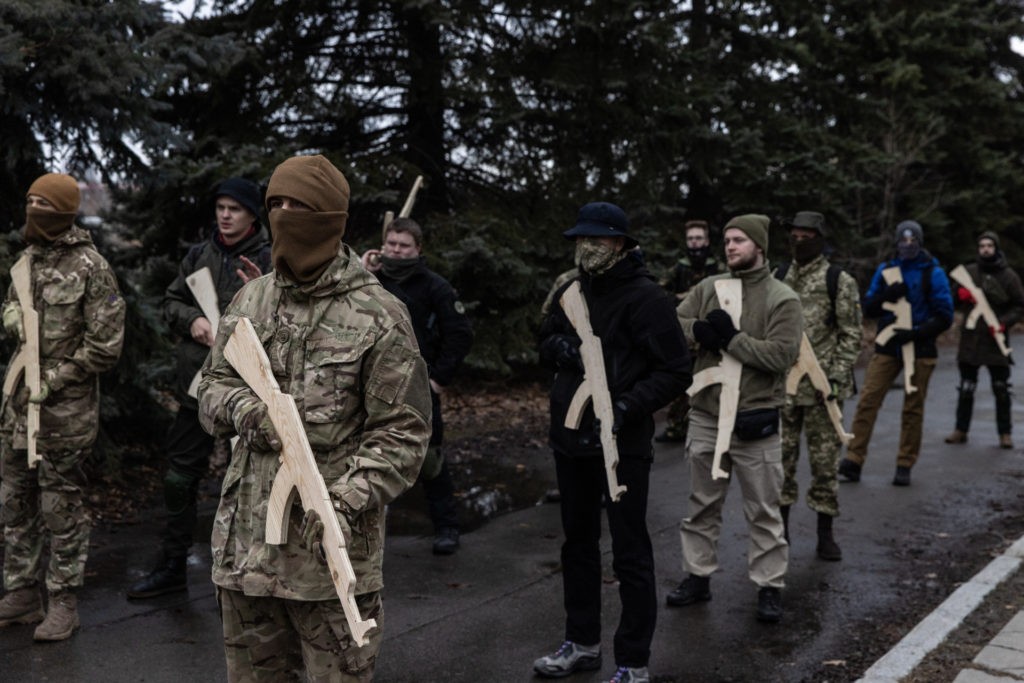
(63, 301)
(332, 379)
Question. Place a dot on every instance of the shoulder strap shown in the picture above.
(832, 284)
(780, 272)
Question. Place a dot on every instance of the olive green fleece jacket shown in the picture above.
(768, 343)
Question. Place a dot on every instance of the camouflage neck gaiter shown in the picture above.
(44, 226)
(399, 268)
(305, 242)
(596, 257)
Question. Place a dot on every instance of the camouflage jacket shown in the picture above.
(344, 348)
(181, 309)
(1003, 290)
(836, 345)
(767, 344)
(81, 330)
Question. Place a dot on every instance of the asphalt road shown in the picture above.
(487, 612)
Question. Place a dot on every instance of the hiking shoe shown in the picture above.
(849, 470)
(628, 674)
(567, 659)
(446, 542)
(957, 437)
(668, 436)
(769, 605)
(169, 577)
(827, 549)
(61, 618)
(692, 589)
(902, 477)
(21, 606)
(1005, 441)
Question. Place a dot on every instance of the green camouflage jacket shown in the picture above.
(836, 346)
(345, 350)
(81, 330)
(767, 344)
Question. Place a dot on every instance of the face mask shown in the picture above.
(805, 251)
(699, 255)
(399, 268)
(596, 257)
(43, 226)
(305, 242)
(908, 251)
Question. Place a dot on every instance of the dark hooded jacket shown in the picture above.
(646, 358)
(1005, 294)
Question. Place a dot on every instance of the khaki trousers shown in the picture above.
(881, 372)
(757, 466)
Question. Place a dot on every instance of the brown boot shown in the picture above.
(61, 619)
(1005, 441)
(957, 437)
(21, 606)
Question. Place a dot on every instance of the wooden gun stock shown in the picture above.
(298, 473)
(594, 388)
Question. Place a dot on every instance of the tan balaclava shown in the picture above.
(43, 226)
(305, 242)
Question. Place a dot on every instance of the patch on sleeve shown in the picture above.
(459, 308)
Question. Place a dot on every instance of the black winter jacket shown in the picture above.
(646, 357)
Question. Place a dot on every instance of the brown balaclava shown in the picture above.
(305, 242)
(43, 226)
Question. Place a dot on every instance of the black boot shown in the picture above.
(169, 577)
(1004, 407)
(828, 549)
(784, 509)
(692, 589)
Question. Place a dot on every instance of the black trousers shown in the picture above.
(188, 449)
(584, 488)
(444, 511)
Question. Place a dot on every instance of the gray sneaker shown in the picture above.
(567, 659)
(628, 674)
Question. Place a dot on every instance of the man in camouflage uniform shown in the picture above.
(444, 335)
(238, 250)
(345, 350)
(834, 330)
(81, 330)
(697, 264)
(1003, 290)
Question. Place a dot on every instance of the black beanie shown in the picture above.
(245, 192)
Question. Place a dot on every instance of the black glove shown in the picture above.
(902, 337)
(622, 414)
(722, 323)
(567, 353)
(706, 336)
(895, 292)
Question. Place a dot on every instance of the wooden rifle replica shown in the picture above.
(726, 374)
(200, 283)
(982, 309)
(904, 321)
(807, 365)
(298, 473)
(406, 211)
(594, 388)
(27, 359)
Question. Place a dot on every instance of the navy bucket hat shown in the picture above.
(601, 219)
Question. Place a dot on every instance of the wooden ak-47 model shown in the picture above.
(27, 359)
(904, 321)
(298, 472)
(982, 309)
(726, 373)
(594, 388)
(807, 364)
(406, 211)
(200, 283)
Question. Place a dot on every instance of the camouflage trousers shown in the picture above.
(823, 448)
(46, 500)
(274, 639)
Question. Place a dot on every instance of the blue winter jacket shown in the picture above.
(932, 306)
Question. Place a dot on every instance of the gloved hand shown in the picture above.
(622, 414)
(992, 329)
(722, 323)
(312, 532)
(964, 295)
(904, 336)
(567, 353)
(12, 322)
(895, 292)
(706, 336)
(44, 392)
(820, 396)
(252, 422)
